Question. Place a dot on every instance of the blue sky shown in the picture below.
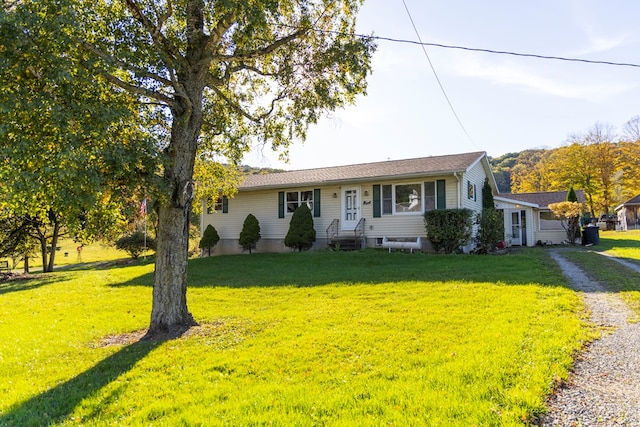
(505, 103)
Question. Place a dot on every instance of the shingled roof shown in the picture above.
(542, 199)
(632, 202)
(424, 166)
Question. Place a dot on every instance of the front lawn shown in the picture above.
(323, 338)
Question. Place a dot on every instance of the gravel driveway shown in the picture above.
(604, 387)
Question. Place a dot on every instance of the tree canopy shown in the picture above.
(70, 144)
(208, 76)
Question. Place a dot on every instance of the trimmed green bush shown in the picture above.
(448, 229)
(250, 233)
(135, 244)
(301, 234)
(209, 238)
(490, 232)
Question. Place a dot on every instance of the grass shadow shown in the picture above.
(58, 403)
(370, 266)
(29, 283)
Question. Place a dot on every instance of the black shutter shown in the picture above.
(281, 204)
(377, 213)
(441, 202)
(316, 202)
(225, 204)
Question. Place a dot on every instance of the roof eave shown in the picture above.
(517, 202)
(351, 180)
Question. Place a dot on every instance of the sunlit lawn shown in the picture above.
(363, 338)
(616, 277)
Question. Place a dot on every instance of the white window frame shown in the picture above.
(299, 200)
(216, 206)
(420, 199)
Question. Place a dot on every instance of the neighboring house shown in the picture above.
(629, 214)
(375, 200)
(528, 219)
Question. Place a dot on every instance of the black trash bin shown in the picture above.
(590, 235)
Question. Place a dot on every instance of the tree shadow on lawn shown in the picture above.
(25, 283)
(371, 266)
(58, 403)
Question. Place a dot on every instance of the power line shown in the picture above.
(453, 110)
(499, 52)
(471, 49)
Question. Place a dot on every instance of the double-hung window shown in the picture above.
(297, 198)
(221, 205)
(289, 201)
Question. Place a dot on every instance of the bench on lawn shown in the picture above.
(410, 243)
(4, 265)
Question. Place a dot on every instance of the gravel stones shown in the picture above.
(604, 387)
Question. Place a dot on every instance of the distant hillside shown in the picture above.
(501, 167)
(251, 170)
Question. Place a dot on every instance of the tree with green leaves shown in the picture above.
(64, 166)
(212, 180)
(135, 244)
(301, 234)
(250, 233)
(16, 240)
(487, 195)
(214, 76)
(210, 238)
(490, 222)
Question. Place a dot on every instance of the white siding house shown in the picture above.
(528, 219)
(375, 199)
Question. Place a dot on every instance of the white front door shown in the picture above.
(516, 228)
(350, 207)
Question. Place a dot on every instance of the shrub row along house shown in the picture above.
(363, 204)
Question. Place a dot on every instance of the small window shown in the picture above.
(220, 205)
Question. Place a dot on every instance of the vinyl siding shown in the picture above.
(263, 204)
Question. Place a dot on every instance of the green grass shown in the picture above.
(323, 338)
(614, 276)
(621, 244)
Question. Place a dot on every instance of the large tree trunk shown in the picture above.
(169, 313)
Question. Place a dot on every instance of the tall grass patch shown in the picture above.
(366, 338)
